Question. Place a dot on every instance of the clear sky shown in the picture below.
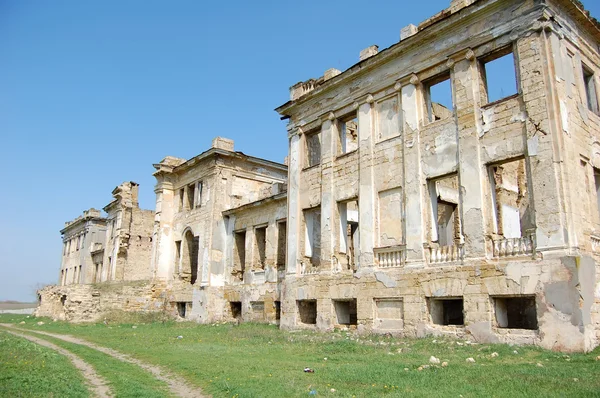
(92, 93)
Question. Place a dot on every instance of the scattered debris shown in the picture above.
(179, 337)
(515, 352)
(434, 360)
(539, 365)
(40, 323)
(444, 364)
(309, 370)
(494, 354)
(471, 360)
(134, 327)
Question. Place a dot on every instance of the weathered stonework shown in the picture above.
(470, 216)
(394, 213)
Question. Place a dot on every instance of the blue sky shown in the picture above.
(93, 93)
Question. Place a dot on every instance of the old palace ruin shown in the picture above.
(416, 200)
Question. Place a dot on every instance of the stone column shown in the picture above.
(366, 189)
(293, 203)
(163, 250)
(413, 174)
(467, 102)
(328, 151)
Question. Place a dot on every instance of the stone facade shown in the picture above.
(421, 198)
(467, 216)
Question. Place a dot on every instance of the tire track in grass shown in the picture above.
(177, 385)
(97, 384)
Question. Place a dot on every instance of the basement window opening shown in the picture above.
(345, 311)
(307, 311)
(236, 309)
(277, 310)
(448, 311)
(182, 308)
(516, 312)
(438, 97)
(499, 76)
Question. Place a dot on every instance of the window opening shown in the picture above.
(447, 311)
(345, 311)
(281, 244)
(236, 309)
(312, 247)
(260, 238)
(313, 149)
(510, 198)
(438, 97)
(590, 89)
(239, 257)
(349, 232)
(445, 215)
(307, 311)
(516, 312)
(348, 130)
(499, 75)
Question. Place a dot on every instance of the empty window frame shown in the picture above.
(182, 307)
(258, 310)
(312, 236)
(517, 312)
(348, 134)
(281, 243)
(349, 239)
(189, 257)
(177, 256)
(239, 255)
(235, 307)
(499, 75)
(345, 311)
(438, 97)
(260, 246)
(181, 199)
(307, 311)
(388, 117)
(313, 148)
(589, 83)
(510, 198)
(446, 311)
(445, 217)
(277, 305)
(191, 195)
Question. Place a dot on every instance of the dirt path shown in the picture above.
(177, 384)
(97, 384)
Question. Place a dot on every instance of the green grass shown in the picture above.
(125, 380)
(29, 370)
(261, 361)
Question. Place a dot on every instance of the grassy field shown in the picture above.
(28, 370)
(261, 361)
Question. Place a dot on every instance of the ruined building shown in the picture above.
(421, 197)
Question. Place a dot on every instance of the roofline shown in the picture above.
(217, 151)
(82, 220)
(395, 48)
(274, 198)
